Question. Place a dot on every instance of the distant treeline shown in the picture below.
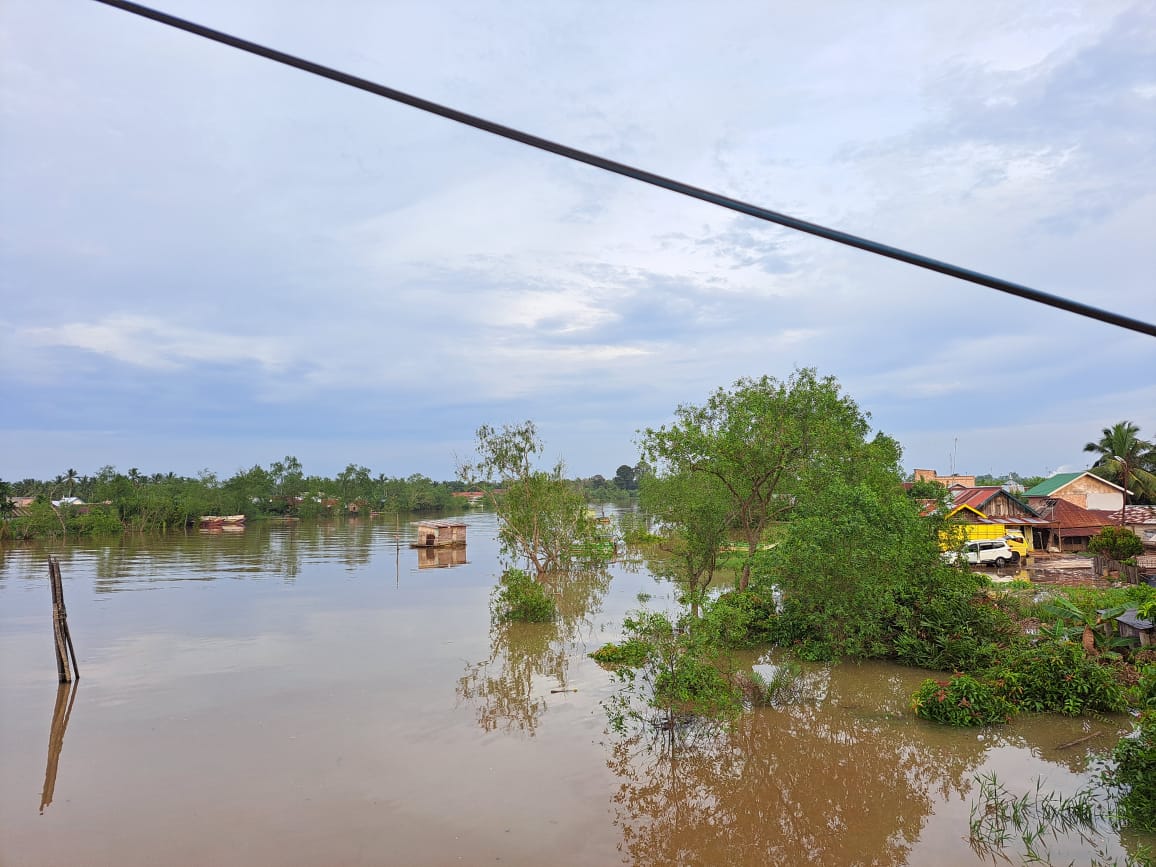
(111, 501)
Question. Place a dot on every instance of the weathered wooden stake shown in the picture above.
(62, 636)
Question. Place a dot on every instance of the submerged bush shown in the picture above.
(954, 631)
(521, 598)
(744, 618)
(1059, 677)
(631, 653)
(961, 700)
(1135, 757)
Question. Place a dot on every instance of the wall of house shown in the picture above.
(946, 481)
(1096, 494)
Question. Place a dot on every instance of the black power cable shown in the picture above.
(489, 126)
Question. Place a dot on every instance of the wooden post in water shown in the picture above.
(63, 638)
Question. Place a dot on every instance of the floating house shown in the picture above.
(439, 534)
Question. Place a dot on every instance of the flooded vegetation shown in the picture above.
(316, 693)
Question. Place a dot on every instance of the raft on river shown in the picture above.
(439, 534)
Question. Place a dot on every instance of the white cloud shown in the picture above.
(151, 343)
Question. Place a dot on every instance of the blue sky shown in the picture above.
(208, 260)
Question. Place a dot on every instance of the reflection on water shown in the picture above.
(440, 558)
(65, 697)
(824, 781)
(528, 660)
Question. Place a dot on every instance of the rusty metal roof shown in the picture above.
(1135, 515)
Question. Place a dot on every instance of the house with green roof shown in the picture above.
(1083, 489)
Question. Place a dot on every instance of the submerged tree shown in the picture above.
(695, 508)
(544, 521)
(761, 440)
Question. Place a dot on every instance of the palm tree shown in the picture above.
(1123, 458)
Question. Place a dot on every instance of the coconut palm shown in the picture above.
(1125, 459)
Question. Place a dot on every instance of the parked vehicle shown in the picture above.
(984, 552)
(1015, 541)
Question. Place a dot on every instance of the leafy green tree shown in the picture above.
(695, 508)
(761, 440)
(544, 521)
(625, 478)
(1125, 459)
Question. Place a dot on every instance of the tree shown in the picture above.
(7, 507)
(543, 520)
(761, 440)
(1125, 459)
(625, 478)
(695, 507)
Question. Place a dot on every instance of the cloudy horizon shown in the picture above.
(209, 261)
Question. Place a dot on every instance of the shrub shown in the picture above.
(954, 631)
(1135, 757)
(743, 618)
(1119, 543)
(693, 685)
(961, 701)
(1059, 677)
(519, 597)
(631, 653)
(1143, 694)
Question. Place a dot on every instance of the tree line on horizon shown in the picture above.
(113, 500)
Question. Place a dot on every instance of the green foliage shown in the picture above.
(761, 440)
(860, 570)
(1058, 677)
(684, 683)
(518, 597)
(1119, 543)
(631, 653)
(695, 510)
(954, 629)
(744, 618)
(961, 700)
(1135, 758)
(925, 489)
(1143, 694)
(544, 521)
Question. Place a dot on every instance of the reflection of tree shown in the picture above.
(814, 783)
(526, 660)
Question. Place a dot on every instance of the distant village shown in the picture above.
(1058, 515)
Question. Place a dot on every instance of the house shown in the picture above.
(1071, 526)
(997, 505)
(946, 481)
(1086, 490)
(1141, 520)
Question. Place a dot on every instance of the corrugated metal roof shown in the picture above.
(1069, 517)
(1135, 515)
(1048, 486)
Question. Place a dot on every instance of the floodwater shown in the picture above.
(323, 695)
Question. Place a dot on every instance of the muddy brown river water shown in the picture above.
(318, 695)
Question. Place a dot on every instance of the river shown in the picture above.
(314, 694)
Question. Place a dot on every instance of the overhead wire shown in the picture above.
(572, 153)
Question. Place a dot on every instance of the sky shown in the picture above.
(208, 260)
